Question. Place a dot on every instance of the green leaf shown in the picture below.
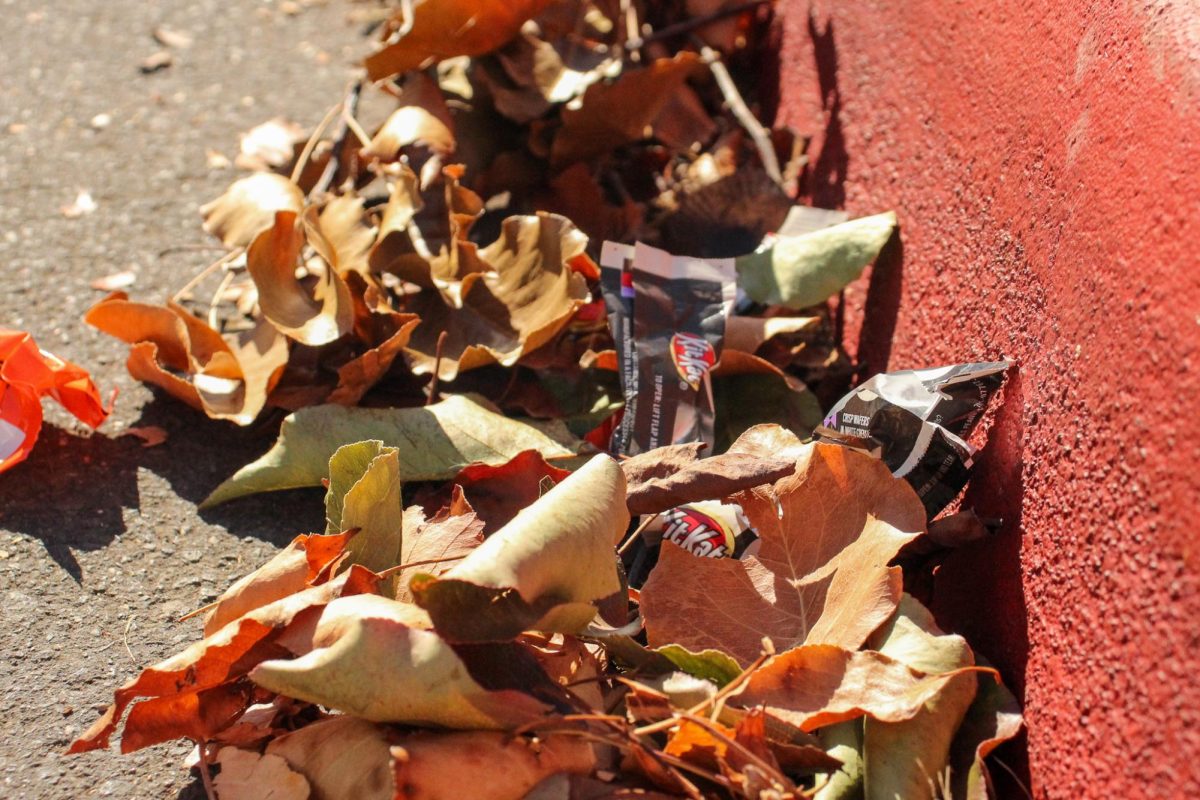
(346, 467)
(711, 665)
(545, 570)
(908, 759)
(801, 271)
(844, 742)
(371, 505)
(376, 658)
(743, 401)
(434, 443)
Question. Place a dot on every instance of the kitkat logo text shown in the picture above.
(693, 357)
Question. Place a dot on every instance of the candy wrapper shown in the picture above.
(917, 422)
(28, 374)
(706, 529)
(679, 307)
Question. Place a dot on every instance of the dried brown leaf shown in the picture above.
(313, 312)
(248, 207)
(446, 28)
(620, 112)
(527, 294)
(818, 684)
(672, 476)
(821, 576)
(176, 351)
(291, 570)
(198, 692)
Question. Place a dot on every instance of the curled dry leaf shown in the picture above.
(617, 113)
(487, 766)
(314, 311)
(422, 119)
(437, 441)
(819, 684)
(198, 692)
(801, 271)
(345, 757)
(377, 659)
(543, 571)
(821, 576)
(291, 570)
(525, 292)
(248, 207)
(446, 28)
(270, 145)
(225, 378)
(385, 332)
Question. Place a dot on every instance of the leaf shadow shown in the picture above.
(827, 174)
(978, 591)
(200, 453)
(71, 493)
(882, 308)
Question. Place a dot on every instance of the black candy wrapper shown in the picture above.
(917, 422)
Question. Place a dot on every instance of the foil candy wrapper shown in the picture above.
(917, 422)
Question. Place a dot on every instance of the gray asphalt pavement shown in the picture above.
(101, 547)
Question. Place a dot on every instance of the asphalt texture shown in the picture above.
(101, 545)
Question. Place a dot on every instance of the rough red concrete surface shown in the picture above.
(1044, 159)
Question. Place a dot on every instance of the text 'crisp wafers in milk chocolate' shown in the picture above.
(917, 422)
(668, 336)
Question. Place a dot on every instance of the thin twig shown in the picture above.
(185, 248)
(311, 144)
(349, 109)
(437, 369)
(387, 573)
(228, 258)
(631, 538)
(199, 611)
(633, 33)
(733, 99)
(125, 637)
(715, 731)
(216, 299)
(700, 707)
(205, 772)
(689, 25)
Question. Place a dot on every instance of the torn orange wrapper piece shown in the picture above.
(28, 374)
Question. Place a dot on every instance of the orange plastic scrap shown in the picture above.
(26, 375)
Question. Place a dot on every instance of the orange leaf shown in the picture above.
(447, 28)
(209, 664)
(818, 685)
(821, 576)
(313, 315)
(291, 570)
(28, 374)
(180, 353)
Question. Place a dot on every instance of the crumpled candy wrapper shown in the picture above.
(28, 374)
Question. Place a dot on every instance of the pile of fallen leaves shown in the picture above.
(414, 280)
(492, 648)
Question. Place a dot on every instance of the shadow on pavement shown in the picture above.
(77, 492)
